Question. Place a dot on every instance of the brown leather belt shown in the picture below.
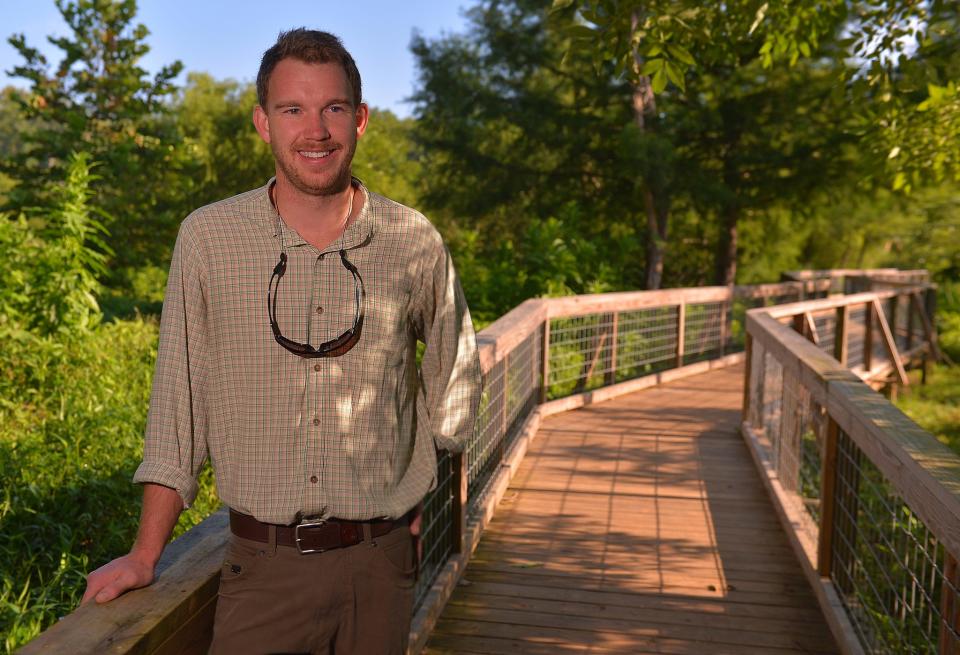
(311, 536)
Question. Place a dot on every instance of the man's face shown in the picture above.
(311, 125)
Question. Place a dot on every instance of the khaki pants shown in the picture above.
(349, 601)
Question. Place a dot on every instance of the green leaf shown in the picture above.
(681, 54)
(899, 180)
(560, 5)
(675, 76)
(580, 32)
(652, 66)
(659, 80)
(805, 49)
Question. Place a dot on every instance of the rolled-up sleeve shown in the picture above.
(450, 367)
(175, 445)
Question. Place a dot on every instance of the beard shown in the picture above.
(331, 183)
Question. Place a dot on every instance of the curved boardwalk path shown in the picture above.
(639, 525)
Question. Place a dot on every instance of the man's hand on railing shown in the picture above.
(114, 578)
(161, 507)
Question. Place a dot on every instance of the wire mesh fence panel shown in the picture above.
(736, 334)
(485, 451)
(580, 353)
(523, 381)
(437, 527)
(825, 322)
(772, 400)
(702, 331)
(856, 335)
(886, 564)
(798, 450)
(646, 341)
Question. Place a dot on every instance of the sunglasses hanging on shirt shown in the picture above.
(335, 347)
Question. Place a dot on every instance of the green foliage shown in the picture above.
(388, 159)
(215, 120)
(51, 274)
(72, 413)
(934, 405)
(98, 99)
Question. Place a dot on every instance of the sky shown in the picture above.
(227, 38)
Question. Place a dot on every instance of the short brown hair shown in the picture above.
(312, 47)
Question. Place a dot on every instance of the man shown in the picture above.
(288, 356)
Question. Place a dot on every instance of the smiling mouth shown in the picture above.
(315, 154)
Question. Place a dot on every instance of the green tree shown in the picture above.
(98, 99)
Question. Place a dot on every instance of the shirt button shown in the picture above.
(319, 310)
(316, 367)
(314, 479)
(321, 257)
(316, 421)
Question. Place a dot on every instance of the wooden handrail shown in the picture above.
(920, 470)
(171, 615)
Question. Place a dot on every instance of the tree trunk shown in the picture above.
(655, 203)
(656, 239)
(726, 258)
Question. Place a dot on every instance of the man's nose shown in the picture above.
(317, 126)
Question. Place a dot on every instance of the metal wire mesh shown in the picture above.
(437, 527)
(646, 341)
(886, 564)
(798, 449)
(703, 330)
(826, 323)
(580, 353)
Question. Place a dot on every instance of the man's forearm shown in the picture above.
(161, 509)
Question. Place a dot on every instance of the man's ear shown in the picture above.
(363, 115)
(262, 124)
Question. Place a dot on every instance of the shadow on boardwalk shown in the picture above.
(637, 526)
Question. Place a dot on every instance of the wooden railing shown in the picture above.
(870, 500)
(543, 357)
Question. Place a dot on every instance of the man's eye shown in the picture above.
(336, 109)
(292, 110)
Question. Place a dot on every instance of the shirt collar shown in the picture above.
(357, 234)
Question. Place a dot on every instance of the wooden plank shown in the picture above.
(889, 342)
(168, 614)
(841, 335)
(574, 306)
(642, 515)
(949, 642)
(811, 328)
(510, 330)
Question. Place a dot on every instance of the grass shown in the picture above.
(935, 406)
(72, 414)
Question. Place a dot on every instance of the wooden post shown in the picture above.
(893, 317)
(681, 336)
(505, 412)
(800, 324)
(610, 375)
(723, 327)
(868, 335)
(911, 311)
(460, 501)
(828, 499)
(840, 334)
(748, 361)
(950, 607)
(545, 361)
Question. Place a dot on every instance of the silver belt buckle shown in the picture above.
(308, 523)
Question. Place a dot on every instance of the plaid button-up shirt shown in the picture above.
(352, 437)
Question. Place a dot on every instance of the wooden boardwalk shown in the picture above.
(639, 525)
